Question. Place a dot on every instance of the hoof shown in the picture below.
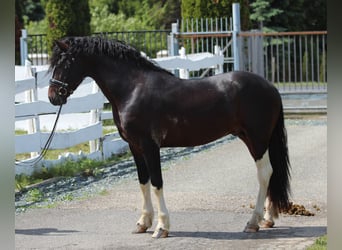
(160, 233)
(251, 228)
(140, 229)
(266, 224)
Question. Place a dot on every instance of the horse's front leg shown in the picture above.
(163, 226)
(146, 219)
(264, 171)
(152, 159)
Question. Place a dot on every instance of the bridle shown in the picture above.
(63, 89)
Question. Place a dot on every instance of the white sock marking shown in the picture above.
(264, 170)
(146, 218)
(163, 213)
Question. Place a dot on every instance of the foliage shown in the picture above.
(158, 14)
(320, 244)
(104, 21)
(29, 10)
(132, 15)
(315, 15)
(81, 18)
(37, 27)
(18, 27)
(66, 18)
(298, 15)
(215, 8)
(66, 169)
(262, 12)
(59, 17)
(34, 195)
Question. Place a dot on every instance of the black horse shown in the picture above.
(152, 108)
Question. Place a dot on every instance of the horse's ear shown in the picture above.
(62, 45)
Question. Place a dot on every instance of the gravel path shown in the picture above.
(207, 212)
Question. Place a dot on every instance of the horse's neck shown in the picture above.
(113, 79)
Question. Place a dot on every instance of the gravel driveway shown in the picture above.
(209, 192)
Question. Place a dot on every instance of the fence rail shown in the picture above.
(32, 106)
(148, 41)
(293, 61)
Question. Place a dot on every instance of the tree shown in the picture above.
(66, 18)
(315, 17)
(18, 26)
(30, 10)
(159, 14)
(81, 21)
(215, 8)
(133, 15)
(172, 12)
(262, 12)
(297, 15)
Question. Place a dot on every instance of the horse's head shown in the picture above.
(67, 73)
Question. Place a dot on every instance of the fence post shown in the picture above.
(23, 47)
(183, 73)
(94, 118)
(257, 52)
(219, 67)
(236, 30)
(173, 44)
(31, 95)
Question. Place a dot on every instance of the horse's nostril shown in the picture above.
(56, 100)
(53, 101)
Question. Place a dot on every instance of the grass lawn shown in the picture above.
(320, 244)
(69, 168)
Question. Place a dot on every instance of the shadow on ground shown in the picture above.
(272, 233)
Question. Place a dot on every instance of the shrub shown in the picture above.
(66, 18)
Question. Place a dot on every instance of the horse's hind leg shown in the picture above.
(146, 218)
(269, 215)
(264, 171)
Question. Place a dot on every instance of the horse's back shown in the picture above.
(207, 109)
(256, 93)
(253, 84)
(251, 95)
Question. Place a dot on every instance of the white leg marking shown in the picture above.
(269, 215)
(264, 170)
(163, 214)
(146, 218)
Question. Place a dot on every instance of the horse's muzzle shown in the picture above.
(55, 98)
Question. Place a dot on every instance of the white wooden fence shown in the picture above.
(82, 116)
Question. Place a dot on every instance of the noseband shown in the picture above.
(63, 87)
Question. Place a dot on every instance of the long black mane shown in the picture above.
(101, 46)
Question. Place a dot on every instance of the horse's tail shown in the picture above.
(279, 185)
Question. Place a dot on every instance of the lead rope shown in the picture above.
(46, 146)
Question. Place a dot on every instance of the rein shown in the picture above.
(46, 146)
